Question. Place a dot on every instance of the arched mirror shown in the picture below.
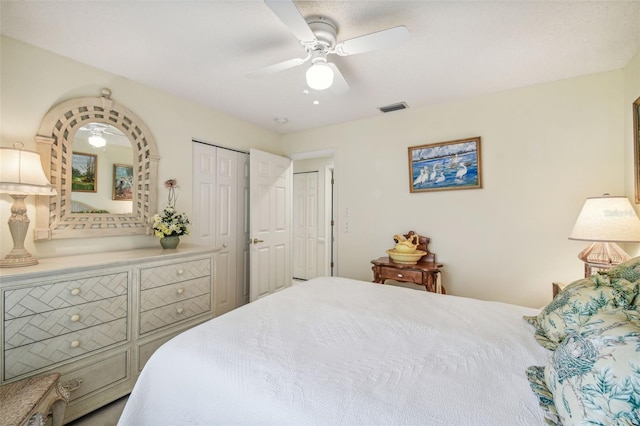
(103, 161)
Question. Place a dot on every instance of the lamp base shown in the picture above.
(18, 226)
(18, 258)
(601, 256)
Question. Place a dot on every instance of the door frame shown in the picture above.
(331, 191)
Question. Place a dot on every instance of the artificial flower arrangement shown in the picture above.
(170, 223)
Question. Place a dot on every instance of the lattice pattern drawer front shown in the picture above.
(175, 272)
(145, 351)
(34, 300)
(95, 376)
(170, 314)
(25, 330)
(25, 359)
(161, 296)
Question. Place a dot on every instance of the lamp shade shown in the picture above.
(319, 76)
(21, 173)
(607, 219)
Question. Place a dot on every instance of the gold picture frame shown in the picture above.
(122, 182)
(445, 166)
(84, 172)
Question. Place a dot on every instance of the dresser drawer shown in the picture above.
(96, 376)
(24, 330)
(27, 358)
(170, 314)
(401, 275)
(174, 272)
(42, 298)
(172, 293)
(145, 351)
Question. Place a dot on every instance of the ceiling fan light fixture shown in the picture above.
(97, 140)
(319, 76)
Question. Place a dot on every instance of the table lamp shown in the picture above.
(605, 220)
(21, 175)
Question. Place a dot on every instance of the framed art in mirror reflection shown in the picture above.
(122, 182)
(84, 172)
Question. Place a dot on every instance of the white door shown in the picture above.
(306, 205)
(225, 230)
(242, 296)
(204, 195)
(270, 223)
(220, 220)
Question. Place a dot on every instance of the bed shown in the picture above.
(339, 351)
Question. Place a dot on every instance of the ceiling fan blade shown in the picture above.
(289, 14)
(339, 85)
(280, 66)
(375, 41)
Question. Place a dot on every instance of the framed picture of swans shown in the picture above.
(445, 166)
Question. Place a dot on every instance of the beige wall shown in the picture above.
(33, 80)
(545, 148)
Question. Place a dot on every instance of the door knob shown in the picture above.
(256, 241)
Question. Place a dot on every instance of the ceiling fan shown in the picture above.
(97, 132)
(318, 36)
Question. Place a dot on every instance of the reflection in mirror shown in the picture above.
(102, 187)
(102, 173)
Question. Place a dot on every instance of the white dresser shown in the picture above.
(97, 318)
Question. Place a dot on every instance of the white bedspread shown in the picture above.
(334, 351)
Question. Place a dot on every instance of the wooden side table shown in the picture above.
(556, 288)
(422, 273)
(426, 272)
(29, 401)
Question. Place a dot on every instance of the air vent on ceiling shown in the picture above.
(394, 107)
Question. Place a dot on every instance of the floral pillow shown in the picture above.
(594, 375)
(629, 270)
(574, 306)
(539, 387)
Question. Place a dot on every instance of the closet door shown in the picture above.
(204, 195)
(242, 239)
(226, 228)
(220, 202)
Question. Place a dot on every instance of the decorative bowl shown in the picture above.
(407, 258)
(402, 247)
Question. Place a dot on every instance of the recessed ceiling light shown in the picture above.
(305, 92)
(316, 102)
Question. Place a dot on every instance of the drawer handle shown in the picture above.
(75, 343)
(180, 291)
(400, 276)
(180, 271)
(73, 384)
(75, 291)
(180, 310)
(75, 318)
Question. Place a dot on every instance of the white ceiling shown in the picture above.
(201, 50)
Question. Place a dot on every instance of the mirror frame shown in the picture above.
(54, 218)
